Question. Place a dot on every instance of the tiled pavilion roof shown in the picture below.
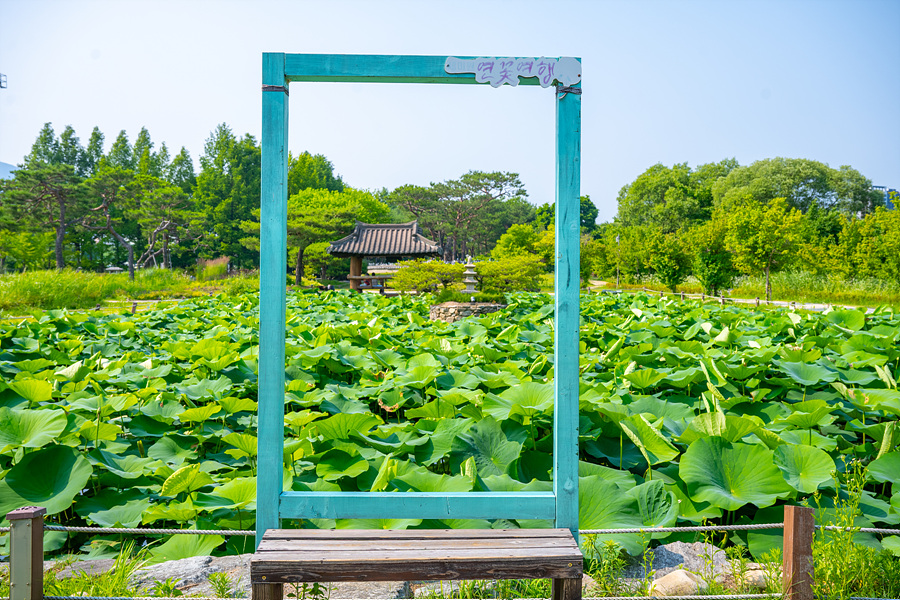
(391, 239)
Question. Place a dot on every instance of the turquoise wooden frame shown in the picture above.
(274, 504)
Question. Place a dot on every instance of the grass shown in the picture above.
(22, 293)
(797, 286)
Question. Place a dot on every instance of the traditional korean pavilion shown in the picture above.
(387, 242)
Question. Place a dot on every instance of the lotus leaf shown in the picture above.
(23, 428)
(806, 374)
(50, 477)
(33, 390)
(184, 546)
(491, 447)
(186, 479)
(335, 464)
(852, 320)
(886, 468)
(805, 468)
(652, 444)
(731, 474)
(173, 450)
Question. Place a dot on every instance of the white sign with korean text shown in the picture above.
(500, 70)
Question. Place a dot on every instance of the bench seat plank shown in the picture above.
(290, 556)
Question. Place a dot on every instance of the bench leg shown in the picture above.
(566, 589)
(267, 591)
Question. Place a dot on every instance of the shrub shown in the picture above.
(424, 276)
(519, 273)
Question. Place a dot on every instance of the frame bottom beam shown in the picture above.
(417, 505)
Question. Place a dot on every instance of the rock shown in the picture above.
(89, 567)
(587, 582)
(697, 557)
(755, 578)
(678, 583)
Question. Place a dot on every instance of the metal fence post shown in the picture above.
(799, 528)
(26, 553)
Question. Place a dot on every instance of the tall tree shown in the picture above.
(70, 149)
(93, 153)
(121, 154)
(110, 188)
(312, 171)
(166, 216)
(802, 183)
(181, 172)
(45, 150)
(317, 215)
(49, 195)
(764, 238)
(671, 198)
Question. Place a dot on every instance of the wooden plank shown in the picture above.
(325, 546)
(797, 567)
(272, 270)
(267, 591)
(299, 554)
(477, 568)
(565, 589)
(368, 534)
(567, 287)
(421, 505)
(377, 69)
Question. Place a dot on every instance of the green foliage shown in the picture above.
(518, 239)
(802, 183)
(669, 259)
(466, 216)
(712, 262)
(208, 270)
(764, 238)
(426, 275)
(520, 273)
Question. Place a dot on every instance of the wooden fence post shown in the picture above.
(757, 302)
(682, 296)
(799, 528)
(26, 553)
(722, 299)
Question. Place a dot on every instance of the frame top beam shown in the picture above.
(376, 68)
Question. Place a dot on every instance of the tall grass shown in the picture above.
(799, 286)
(74, 289)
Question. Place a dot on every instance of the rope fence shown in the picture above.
(27, 525)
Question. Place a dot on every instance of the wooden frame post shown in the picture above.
(563, 75)
(567, 284)
(272, 302)
(799, 529)
(26, 553)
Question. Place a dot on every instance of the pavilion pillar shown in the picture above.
(355, 271)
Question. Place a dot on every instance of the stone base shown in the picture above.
(449, 312)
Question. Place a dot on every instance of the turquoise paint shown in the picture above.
(273, 266)
(376, 69)
(567, 286)
(419, 505)
(273, 504)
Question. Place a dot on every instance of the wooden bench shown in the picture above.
(320, 555)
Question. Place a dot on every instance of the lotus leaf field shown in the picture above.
(689, 412)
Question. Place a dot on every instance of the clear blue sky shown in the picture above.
(676, 81)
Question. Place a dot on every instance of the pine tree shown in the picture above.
(121, 154)
(93, 153)
(45, 150)
(181, 172)
(70, 149)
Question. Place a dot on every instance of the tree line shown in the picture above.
(719, 220)
(139, 206)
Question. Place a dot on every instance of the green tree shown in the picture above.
(589, 214)
(518, 239)
(121, 154)
(466, 215)
(167, 218)
(228, 192)
(45, 150)
(521, 273)
(669, 259)
(712, 264)
(802, 183)
(46, 195)
(70, 150)
(92, 155)
(181, 172)
(312, 171)
(764, 238)
(316, 215)
(671, 198)
(110, 188)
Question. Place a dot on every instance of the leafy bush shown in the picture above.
(454, 296)
(520, 273)
(423, 276)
